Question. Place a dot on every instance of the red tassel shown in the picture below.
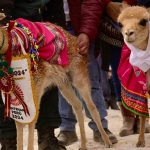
(9, 51)
(18, 96)
(7, 105)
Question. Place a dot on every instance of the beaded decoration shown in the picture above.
(33, 47)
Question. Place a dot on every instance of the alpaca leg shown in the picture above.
(141, 139)
(95, 114)
(68, 92)
(82, 83)
(19, 128)
(31, 136)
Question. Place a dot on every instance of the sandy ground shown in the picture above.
(115, 122)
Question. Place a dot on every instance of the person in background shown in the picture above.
(107, 80)
(109, 43)
(49, 118)
(108, 89)
(85, 19)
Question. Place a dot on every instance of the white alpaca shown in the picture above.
(75, 73)
(135, 27)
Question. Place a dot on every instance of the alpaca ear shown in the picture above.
(2, 16)
(113, 10)
(124, 5)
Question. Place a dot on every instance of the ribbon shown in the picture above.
(7, 85)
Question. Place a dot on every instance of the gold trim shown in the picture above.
(134, 92)
(18, 78)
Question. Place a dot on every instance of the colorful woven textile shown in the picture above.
(52, 45)
(110, 32)
(133, 81)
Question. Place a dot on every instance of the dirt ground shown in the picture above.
(115, 122)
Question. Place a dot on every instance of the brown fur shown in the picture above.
(76, 74)
(137, 35)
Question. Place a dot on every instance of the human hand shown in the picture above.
(113, 10)
(83, 43)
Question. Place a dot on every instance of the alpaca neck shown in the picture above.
(3, 41)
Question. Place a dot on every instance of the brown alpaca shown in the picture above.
(76, 74)
(134, 22)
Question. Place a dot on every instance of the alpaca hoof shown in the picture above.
(83, 149)
(108, 145)
(140, 144)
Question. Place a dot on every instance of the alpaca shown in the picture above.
(134, 23)
(74, 73)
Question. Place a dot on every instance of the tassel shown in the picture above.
(7, 105)
(20, 98)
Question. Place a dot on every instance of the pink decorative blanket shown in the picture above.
(133, 82)
(46, 38)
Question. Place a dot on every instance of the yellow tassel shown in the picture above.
(147, 95)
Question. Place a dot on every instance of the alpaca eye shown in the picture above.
(120, 24)
(143, 22)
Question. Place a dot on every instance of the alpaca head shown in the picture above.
(134, 23)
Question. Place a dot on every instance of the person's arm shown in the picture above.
(91, 13)
(85, 17)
